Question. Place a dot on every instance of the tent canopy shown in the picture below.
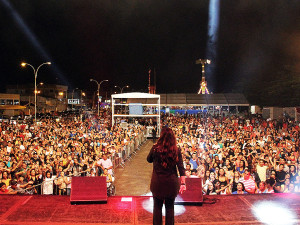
(222, 99)
(135, 95)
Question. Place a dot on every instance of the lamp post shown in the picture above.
(59, 99)
(98, 84)
(73, 97)
(82, 94)
(121, 91)
(38, 91)
(35, 71)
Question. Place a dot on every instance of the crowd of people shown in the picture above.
(232, 154)
(239, 155)
(42, 158)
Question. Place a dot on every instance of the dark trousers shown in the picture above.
(157, 211)
(154, 139)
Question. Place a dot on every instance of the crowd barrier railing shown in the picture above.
(128, 150)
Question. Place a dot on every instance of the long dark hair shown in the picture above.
(166, 147)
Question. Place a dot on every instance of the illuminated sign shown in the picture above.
(73, 101)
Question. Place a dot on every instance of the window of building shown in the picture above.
(2, 102)
(9, 102)
(16, 102)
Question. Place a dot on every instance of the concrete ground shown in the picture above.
(134, 178)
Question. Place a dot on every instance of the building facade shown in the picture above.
(10, 104)
(50, 97)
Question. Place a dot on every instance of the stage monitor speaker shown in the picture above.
(88, 190)
(193, 194)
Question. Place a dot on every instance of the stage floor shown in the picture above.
(233, 209)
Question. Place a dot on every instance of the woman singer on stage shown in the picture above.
(166, 158)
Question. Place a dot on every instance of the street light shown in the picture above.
(73, 97)
(82, 94)
(35, 71)
(40, 84)
(98, 84)
(121, 89)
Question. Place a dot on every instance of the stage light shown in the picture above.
(274, 213)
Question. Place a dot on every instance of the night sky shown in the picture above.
(121, 40)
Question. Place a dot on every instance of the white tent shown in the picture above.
(137, 98)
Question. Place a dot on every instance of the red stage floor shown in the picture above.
(133, 210)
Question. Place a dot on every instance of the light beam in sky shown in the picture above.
(31, 37)
(213, 27)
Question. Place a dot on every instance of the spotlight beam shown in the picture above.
(212, 41)
(31, 37)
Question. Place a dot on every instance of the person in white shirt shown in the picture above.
(261, 170)
(9, 147)
(48, 184)
(105, 163)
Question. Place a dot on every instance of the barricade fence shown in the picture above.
(62, 185)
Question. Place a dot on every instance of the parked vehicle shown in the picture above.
(4, 119)
(27, 117)
(16, 117)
